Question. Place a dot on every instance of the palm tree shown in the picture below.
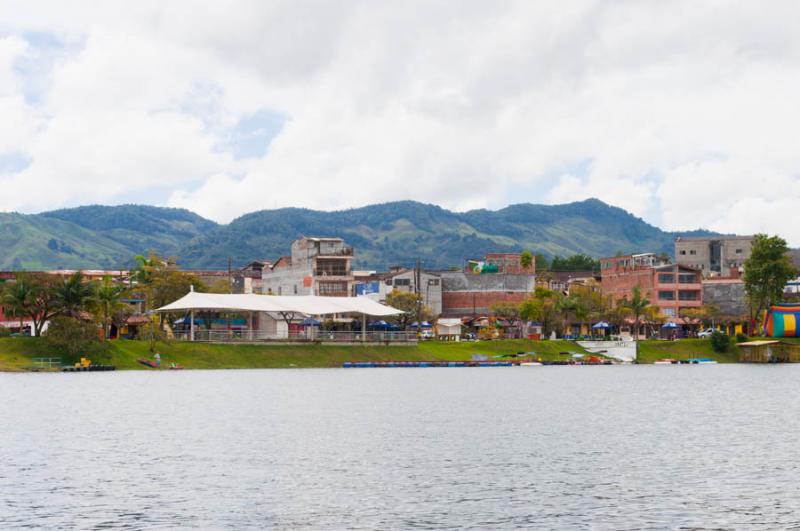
(106, 299)
(18, 296)
(74, 294)
(638, 307)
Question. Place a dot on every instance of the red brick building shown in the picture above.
(470, 294)
(509, 263)
(670, 287)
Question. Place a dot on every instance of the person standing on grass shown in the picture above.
(158, 359)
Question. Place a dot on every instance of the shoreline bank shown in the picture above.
(18, 353)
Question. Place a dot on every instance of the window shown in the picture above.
(402, 282)
(687, 278)
(666, 278)
(683, 252)
(433, 282)
(666, 295)
(688, 295)
(738, 251)
(669, 312)
(333, 288)
(692, 252)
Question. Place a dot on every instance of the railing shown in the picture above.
(331, 273)
(341, 251)
(245, 336)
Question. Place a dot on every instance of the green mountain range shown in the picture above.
(399, 233)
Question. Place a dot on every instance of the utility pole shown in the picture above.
(230, 281)
(230, 290)
(417, 276)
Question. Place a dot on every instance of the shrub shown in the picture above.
(741, 338)
(74, 338)
(720, 341)
(4, 332)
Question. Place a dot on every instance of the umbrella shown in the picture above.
(601, 324)
(670, 325)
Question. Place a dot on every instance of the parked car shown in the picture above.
(706, 333)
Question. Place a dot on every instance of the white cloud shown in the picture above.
(685, 111)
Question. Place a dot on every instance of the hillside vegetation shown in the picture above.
(386, 234)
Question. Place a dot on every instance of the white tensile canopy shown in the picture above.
(301, 304)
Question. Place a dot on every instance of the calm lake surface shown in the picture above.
(624, 447)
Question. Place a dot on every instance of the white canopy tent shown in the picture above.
(306, 305)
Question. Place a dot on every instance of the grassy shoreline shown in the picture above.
(16, 353)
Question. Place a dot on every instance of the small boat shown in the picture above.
(175, 367)
(530, 364)
(665, 361)
(149, 363)
(702, 361)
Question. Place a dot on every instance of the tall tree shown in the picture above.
(74, 294)
(638, 306)
(407, 302)
(107, 301)
(17, 297)
(542, 306)
(508, 311)
(46, 303)
(766, 272)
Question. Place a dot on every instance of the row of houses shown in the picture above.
(705, 271)
(324, 267)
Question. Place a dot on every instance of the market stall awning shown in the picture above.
(301, 304)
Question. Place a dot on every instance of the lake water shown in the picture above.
(623, 447)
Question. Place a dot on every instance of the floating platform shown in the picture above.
(424, 364)
(90, 368)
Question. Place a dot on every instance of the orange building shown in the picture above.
(669, 287)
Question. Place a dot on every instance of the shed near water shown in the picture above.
(769, 351)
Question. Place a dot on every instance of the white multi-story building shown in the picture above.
(317, 266)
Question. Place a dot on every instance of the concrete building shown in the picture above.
(728, 296)
(669, 287)
(378, 285)
(317, 266)
(564, 280)
(722, 256)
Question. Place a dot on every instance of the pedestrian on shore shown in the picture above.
(158, 359)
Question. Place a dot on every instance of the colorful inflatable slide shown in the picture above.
(783, 320)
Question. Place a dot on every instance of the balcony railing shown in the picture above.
(343, 251)
(332, 273)
(257, 336)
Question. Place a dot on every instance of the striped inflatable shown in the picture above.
(783, 320)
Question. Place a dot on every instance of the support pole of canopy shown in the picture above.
(191, 326)
(250, 326)
(363, 327)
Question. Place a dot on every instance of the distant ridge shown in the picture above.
(396, 233)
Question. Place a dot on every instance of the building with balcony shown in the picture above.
(669, 287)
(317, 266)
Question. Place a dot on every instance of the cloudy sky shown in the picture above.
(684, 113)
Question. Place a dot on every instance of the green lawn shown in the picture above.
(15, 353)
(650, 351)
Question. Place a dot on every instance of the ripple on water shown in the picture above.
(560, 447)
